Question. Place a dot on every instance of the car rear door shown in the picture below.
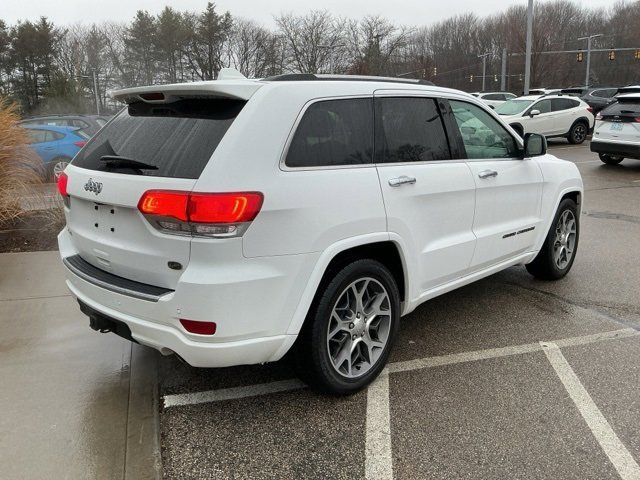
(566, 112)
(429, 198)
(508, 188)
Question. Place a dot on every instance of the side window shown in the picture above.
(558, 104)
(543, 106)
(333, 132)
(409, 129)
(37, 136)
(79, 123)
(494, 96)
(482, 135)
(509, 96)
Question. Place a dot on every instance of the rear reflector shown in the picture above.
(200, 328)
(62, 184)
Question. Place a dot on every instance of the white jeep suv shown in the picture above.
(617, 131)
(549, 115)
(234, 220)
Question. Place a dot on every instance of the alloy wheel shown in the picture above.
(359, 327)
(565, 239)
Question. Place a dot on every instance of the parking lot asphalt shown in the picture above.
(509, 377)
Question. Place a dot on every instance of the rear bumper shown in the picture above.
(616, 148)
(252, 302)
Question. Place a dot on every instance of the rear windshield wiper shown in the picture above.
(118, 161)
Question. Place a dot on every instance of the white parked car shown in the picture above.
(544, 91)
(549, 115)
(617, 131)
(233, 220)
(494, 99)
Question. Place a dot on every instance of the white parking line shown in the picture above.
(606, 437)
(409, 365)
(378, 458)
(231, 393)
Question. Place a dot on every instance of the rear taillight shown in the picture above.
(202, 214)
(62, 184)
(80, 143)
(637, 119)
(590, 110)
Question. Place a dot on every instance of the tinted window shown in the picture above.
(544, 106)
(605, 93)
(51, 136)
(178, 138)
(482, 135)
(558, 104)
(509, 96)
(494, 96)
(79, 123)
(626, 108)
(333, 132)
(409, 130)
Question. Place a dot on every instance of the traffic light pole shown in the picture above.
(588, 73)
(527, 60)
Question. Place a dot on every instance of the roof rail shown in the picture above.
(291, 77)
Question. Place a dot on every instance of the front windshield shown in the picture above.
(513, 107)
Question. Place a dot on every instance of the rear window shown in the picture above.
(625, 108)
(178, 138)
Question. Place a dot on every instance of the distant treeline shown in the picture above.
(47, 67)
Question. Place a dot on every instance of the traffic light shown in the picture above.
(580, 56)
(612, 55)
(435, 71)
(471, 78)
(495, 78)
(636, 54)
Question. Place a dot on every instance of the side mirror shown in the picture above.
(533, 113)
(534, 145)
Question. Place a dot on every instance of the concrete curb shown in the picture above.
(143, 460)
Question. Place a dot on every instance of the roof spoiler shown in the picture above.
(230, 84)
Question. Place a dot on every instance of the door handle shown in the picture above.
(402, 180)
(488, 173)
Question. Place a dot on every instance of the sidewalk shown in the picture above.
(75, 403)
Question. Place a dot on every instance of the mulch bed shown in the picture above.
(32, 232)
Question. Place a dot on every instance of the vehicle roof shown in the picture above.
(243, 89)
(65, 130)
(529, 97)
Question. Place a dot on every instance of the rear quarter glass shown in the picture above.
(178, 138)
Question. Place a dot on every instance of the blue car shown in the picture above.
(56, 146)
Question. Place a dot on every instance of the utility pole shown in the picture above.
(588, 39)
(95, 90)
(503, 71)
(484, 68)
(527, 60)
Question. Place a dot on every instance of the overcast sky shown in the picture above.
(409, 12)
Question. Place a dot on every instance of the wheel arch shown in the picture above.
(375, 246)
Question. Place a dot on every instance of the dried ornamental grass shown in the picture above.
(20, 167)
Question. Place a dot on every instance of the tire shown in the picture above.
(578, 133)
(610, 159)
(551, 264)
(331, 355)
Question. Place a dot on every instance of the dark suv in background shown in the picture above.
(596, 97)
(89, 124)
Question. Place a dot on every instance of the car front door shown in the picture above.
(542, 123)
(508, 187)
(429, 198)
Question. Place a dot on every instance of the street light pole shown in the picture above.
(95, 90)
(588, 39)
(484, 68)
(527, 60)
